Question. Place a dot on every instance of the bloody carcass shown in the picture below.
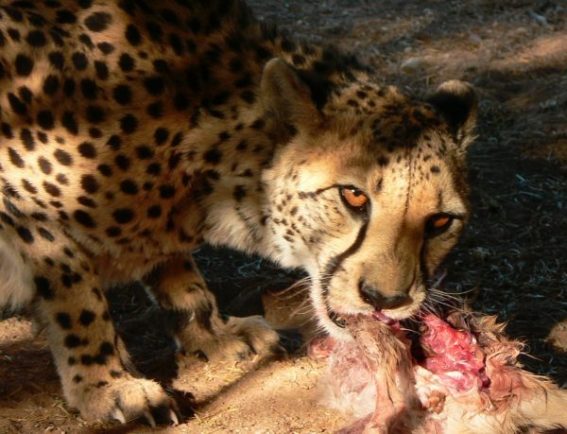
(455, 373)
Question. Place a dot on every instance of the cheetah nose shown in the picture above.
(373, 297)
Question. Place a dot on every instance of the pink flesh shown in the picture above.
(379, 315)
(454, 355)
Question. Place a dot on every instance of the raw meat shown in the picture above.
(457, 375)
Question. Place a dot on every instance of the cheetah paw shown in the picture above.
(125, 400)
(238, 339)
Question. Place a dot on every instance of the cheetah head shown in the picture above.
(369, 193)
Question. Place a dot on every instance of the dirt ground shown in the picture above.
(511, 261)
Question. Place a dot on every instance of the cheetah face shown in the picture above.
(370, 213)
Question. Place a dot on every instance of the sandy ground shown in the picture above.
(511, 261)
(272, 397)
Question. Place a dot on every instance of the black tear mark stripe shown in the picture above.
(423, 263)
(336, 262)
(411, 167)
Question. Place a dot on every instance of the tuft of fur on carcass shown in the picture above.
(460, 375)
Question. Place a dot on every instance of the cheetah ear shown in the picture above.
(457, 102)
(287, 97)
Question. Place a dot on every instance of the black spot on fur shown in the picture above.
(123, 215)
(87, 317)
(129, 187)
(57, 60)
(7, 130)
(64, 320)
(87, 150)
(144, 152)
(25, 94)
(154, 211)
(126, 62)
(84, 218)
(70, 123)
(95, 114)
(114, 142)
(89, 184)
(17, 105)
(239, 193)
(128, 124)
(51, 189)
(166, 191)
(101, 70)
(6, 219)
(43, 288)
(86, 201)
(122, 162)
(80, 61)
(105, 47)
(86, 40)
(105, 170)
(95, 133)
(65, 16)
(154, 85)
(213, 156)
(25, 234)
(45, 119)
(44, 165)
(174, 160)
(72, 341)
(113, 231)
(89, 88)
(155, 31)
(180, 101)
(27, 139)
(63, 157)
(98, 21)
(122, 94)
(28, 186)
(36, 38)
(153, 169)
(155, 109)
(106, 349)
(69, 87)
(133, 35)
(45, 234)
(24, 65)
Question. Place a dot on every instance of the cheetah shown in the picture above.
(131, 132)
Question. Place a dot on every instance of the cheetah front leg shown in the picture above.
(180, 287)
(90, 358)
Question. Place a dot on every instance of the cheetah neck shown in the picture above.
(227, 178)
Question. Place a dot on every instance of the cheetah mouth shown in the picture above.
(341, 320)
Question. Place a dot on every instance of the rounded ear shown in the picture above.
(286, 97)
(457, 102)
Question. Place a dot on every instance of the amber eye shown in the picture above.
(438, 224)
(354, 197)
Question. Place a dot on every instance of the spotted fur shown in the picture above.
(133, 131)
